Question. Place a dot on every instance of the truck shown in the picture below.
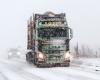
(48, 40)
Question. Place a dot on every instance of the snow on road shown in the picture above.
(3, 77)
(91, 64)
(19, 69)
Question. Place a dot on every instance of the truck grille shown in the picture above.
(54, 57)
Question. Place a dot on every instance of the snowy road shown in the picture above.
(20, 70)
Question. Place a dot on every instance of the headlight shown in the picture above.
(41, 55)
(10, 53)
(67, 55)
(18, 53)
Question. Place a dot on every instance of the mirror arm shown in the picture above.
(71, 33)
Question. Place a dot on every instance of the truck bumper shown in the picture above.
(62, 64)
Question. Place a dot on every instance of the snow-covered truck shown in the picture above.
(48, 40)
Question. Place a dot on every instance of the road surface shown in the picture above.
(18, 69)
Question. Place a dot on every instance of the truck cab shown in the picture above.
(50, 38)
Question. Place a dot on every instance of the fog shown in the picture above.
(83, 17)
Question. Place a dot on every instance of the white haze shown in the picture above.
(83, 17)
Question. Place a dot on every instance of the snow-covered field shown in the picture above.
(90, 64)
(19, 69)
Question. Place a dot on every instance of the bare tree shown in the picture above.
(85, 51)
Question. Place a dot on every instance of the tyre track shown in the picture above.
(26, 75)
(3, 77)
(76, 74)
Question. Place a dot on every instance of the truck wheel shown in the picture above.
(35, 60)
(27, 57)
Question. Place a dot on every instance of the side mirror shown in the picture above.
(70, 33)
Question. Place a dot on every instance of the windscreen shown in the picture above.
(52, 32)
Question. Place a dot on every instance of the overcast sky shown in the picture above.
(83, 17)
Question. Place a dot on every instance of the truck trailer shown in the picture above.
(48, 40)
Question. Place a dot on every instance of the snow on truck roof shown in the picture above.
(51, 14)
